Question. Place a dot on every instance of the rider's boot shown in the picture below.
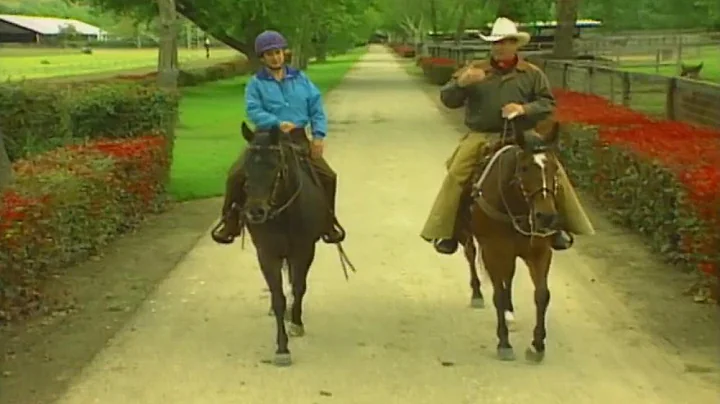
(446, 246)
(228, 228)
(562, 240)
(335, 233)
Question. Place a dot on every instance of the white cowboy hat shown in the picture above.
(503, 29)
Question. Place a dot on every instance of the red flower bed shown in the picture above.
(690, 153)
(594, 110)
(404, 50)
(67, 203)
(437, 70)
(437, 61)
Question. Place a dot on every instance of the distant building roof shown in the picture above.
(50, 25)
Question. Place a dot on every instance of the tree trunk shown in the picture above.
(510, 10)
(460, 28)
(566, 16)
(5, 165)
(433, 17)
(321, 53)
(167, 53)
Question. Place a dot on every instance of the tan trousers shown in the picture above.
(461, 165)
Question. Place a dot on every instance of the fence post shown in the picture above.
(626, 89)
(670, 99)
(591, 79)
(566, 66)
(679, 56)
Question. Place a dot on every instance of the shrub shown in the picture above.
(438, 70)
(32, 118)
(66, 203)
(111, 110)
(404, 50)
(649, 175)
(195, 76)
(37, 117)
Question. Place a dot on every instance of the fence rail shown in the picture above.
(668, 97)
(673, 98)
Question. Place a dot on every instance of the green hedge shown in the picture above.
(37, 117)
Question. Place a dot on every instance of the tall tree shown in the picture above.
(168, 53)
(567, 12)
(237, 22)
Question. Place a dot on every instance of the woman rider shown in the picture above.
(279, 96)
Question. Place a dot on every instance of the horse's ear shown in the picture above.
(553, 137)
(247, 133)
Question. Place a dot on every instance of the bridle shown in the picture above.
(282, 175)
(529, 197)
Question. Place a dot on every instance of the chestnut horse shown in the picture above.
(512, 215)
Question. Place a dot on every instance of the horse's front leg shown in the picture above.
(499, 266)
(510, 311)
(287, 276)
(539, 271)
(300, 263)
(476, 298)
(271, 267)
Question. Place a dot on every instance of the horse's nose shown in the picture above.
(544, 219)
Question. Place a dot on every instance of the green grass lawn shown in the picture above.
(208, 139)
(32, 63)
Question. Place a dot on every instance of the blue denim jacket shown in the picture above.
(293, 99)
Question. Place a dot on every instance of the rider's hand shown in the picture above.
(512, 110)
(316, 148)
(471, 75)
(286, 127)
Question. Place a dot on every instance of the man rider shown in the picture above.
(503, 86)
(279, 96)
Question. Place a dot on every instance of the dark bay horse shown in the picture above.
(286, 214)
(513, 215)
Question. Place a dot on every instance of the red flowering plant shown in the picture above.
(404, 50)
(438, 70)
(659, 177)
(67, 203)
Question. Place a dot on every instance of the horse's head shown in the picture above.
(536, 175)
(266, 172)
(691, 72)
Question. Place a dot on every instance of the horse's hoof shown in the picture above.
(477, 303)
(296, 330)
(282, 359)
(506, 354)
(533, 355)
